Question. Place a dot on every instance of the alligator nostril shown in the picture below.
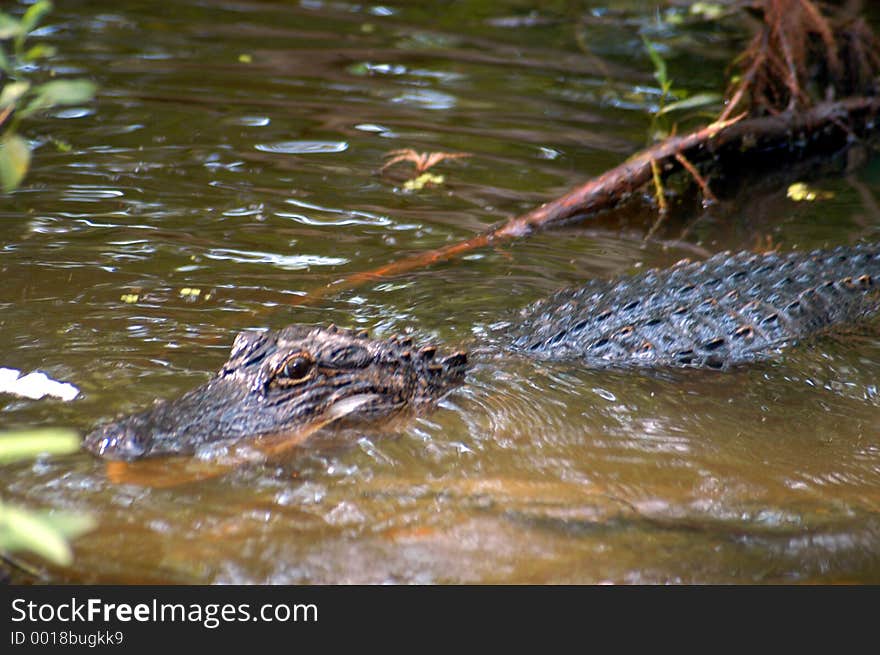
(95, 442)
(116, 442)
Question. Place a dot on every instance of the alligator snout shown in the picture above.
(117, 441)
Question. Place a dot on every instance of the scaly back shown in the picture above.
(728, 310)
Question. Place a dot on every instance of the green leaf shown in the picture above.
(695, 101)
(44, 534)
(9, 27)
(708, 10)
(39, 51)
(5, 64)
(30, 443)
(70, 524)
(12, 92)
(60, 144)
(659, 64)
(60, 92)
(22, 530)
(34, 15)
(15, 158)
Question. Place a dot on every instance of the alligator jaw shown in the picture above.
(136, 436)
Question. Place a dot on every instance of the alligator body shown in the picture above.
(726, 311)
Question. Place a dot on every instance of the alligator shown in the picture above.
(729, 310)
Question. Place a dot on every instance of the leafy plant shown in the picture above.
(21, 97)
(422, 162)
(45, 533)
(659, 127)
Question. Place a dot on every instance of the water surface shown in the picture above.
(235, 149)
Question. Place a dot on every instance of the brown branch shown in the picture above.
(745, 83)
(699, 179)
(660, 196)
(614, 187)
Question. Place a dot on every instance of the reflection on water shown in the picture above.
(236, 152)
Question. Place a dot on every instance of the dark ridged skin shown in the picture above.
(728, 310)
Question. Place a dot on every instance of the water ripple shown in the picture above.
(302, 147)
(286, 262)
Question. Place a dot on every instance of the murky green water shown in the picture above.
(235, 149)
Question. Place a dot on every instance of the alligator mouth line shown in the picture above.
(161, 473)
(274, 444)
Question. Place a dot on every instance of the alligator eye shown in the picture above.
(295, 369)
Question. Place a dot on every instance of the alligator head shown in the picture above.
(283, 381)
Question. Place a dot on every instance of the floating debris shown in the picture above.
(35, 385)
(800, 192)
(418, 183)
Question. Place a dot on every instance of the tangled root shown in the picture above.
(804, 53)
